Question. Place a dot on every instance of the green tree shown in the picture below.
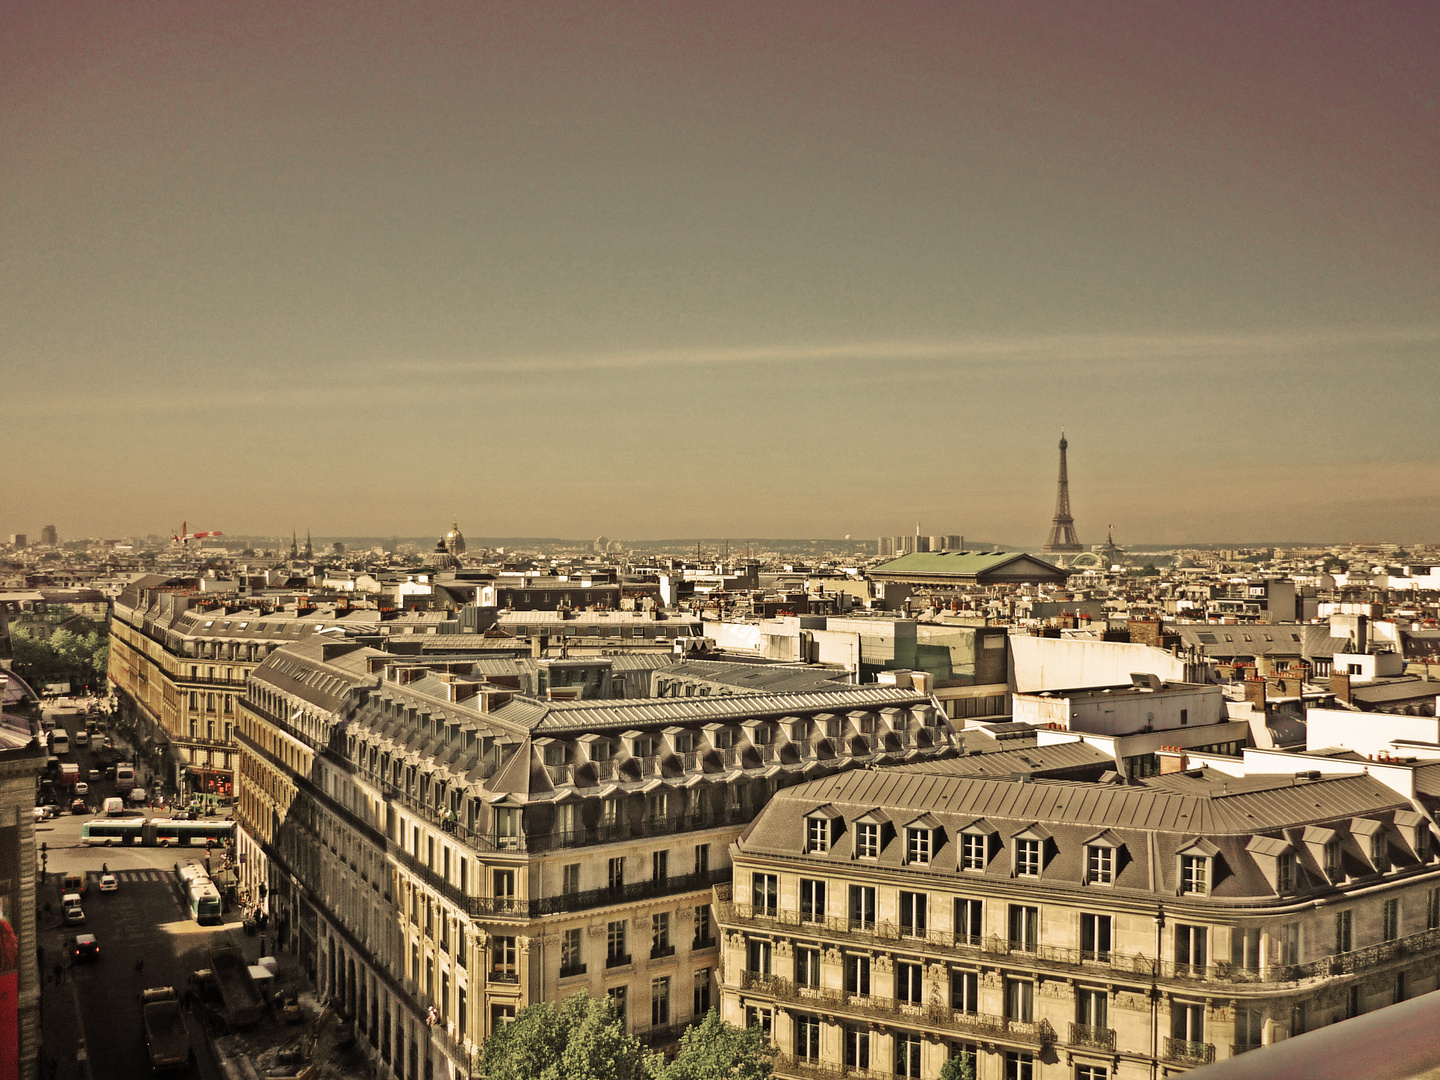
(957, 1068)
(715, 1050)
(582, 1038)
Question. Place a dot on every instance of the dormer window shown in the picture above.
(798, 731)
(762, 735)
(918, 845)
(972, 851)
(867, 840)
(1333, 866)
(1194, 875)
(644, 746)
(1422, 845)
(1100, 864)
(1027, 857)
(599, 750)
(554, 753)
(724, 739)
(1285, 872)
(684, 742)
(1380, 852)
(818, 835)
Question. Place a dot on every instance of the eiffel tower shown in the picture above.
(1062, 530)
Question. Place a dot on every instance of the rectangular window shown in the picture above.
(660, 867)
(857, 974)
(660, 935)
(812, 900)
(504, 889)
(908, 982)
(1027, 858)
(503, 959)
(758, 955)
(1432, 910)
(907, 1054)
(867, 841)
(1024, 927)
(657, 807)
(1100, 864)
(1019, 1000)
(659, 1002)
(620, 1003)
(759, 1016)
(702, 992)
(1334, 868)
(702, 927)
(1191, 954)
(1187, 1022)
(964, 990)
(807, 966)
(616, 953)
(972, 851)
(1344, 941)
(862, 907)
(702, 858)
(1380, 852)
(1390, 920)
(913, 914)
(1194, 875)
(765, 895)
(1245, 948)
(969, 921)
(1092, 1008)
(570, 963)
(570, 879)
(857, 1046)
(817, 834)
(1019, 1065)
(616, 878)
(1285, 872)
(1290, 943)
(917, 846)
(807, 1037)
(1095, 937)
(1249, 1023)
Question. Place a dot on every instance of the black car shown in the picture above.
(85, 948)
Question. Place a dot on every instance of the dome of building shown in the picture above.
(454, 541)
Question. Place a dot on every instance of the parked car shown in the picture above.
(78, 807)
(70, 905)
(85, 948)
(109, 883)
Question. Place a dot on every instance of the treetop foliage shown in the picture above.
(583, 1038)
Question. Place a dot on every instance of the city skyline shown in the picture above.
(653, 271)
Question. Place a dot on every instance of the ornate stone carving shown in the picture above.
(832, 956)
(883, 965)
(596, 931)
(1220, 1011)
(784, 950)
(1056, 988)
(523, 943)
(1133, 1002)
(992, 980)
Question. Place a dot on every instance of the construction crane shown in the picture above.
(185, 536)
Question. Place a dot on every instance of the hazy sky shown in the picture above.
(744, 269)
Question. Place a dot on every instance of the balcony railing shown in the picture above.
(661, 1035)
(504, 975)
(1100, 1038)
(614, 832)
(617, 961)
(1185, 1052)
(814, 1069)
(572, 970)
(659, 952)
(1043, 955)
(1026, 1032)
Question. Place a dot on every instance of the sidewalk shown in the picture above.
(61, 1035)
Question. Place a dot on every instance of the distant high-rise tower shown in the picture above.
(1062, 530)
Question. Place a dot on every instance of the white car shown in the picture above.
(137, 795)
(109, 883)
(82, 788)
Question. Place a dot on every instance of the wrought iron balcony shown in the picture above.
(1100, 1038)
(1189, 1053)
(1024, 1032)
